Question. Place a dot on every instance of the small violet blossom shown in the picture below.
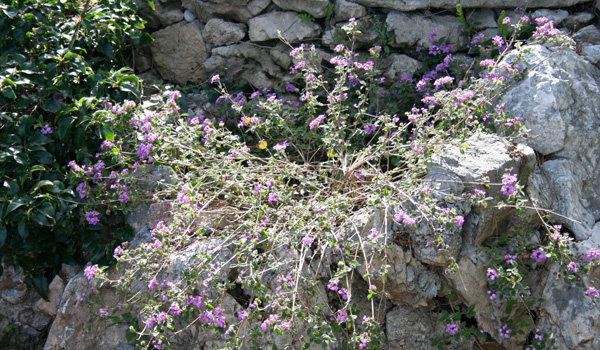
(90, 272)
(492, 274)
(451, 328)
(92, 217)
(538, 255)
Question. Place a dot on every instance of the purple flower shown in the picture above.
(373, 234)
(504, 332)
(215, 78)
(492, 274)
(333, 285)
(510, 258)
(451, 328)
(491, 294)
(46, 130)
(90, 272)
(242, 315)
(281, 146)
(370, 128)
(117, 251)
(161, 317)
(92, 217)
(487, 63)
(572, 266)
(308, 240)
(538, 255)
(591, 254)
(313, 124)
(103, 313)
(442, 81)
(150, 322)
(290, 87)
(153, 283)
(272, 197)
(593, 293)
(459, 221)
(498, 41)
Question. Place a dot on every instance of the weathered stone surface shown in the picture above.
(179, 52)
(255, 7)
(55, 291)
(409, 328)
(412, 29)
(316, 8)
(253, 63)
(23, 314)
(568, 313)
(237, 10)
(556, 16)
(563, 114)
(344, 10)
(411, 5)
(292, 28)
(481, 18)
(70, 327)
(218, 32)
(401, 66)
(454, 172)
(578, 20)
(164, 13)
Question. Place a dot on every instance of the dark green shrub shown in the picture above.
(58, 61)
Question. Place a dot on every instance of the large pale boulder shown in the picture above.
(559, 101)
(412, 29)
(316, 8)
(219, 32)
(411, 5)
(291, 27)
(179, 52)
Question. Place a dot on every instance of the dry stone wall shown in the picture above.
(195, 39)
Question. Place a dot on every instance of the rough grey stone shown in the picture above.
(316, 8)
(563, 114)
(591, 53)
(401, 66)
(589, 35)
(409, 328)
(578, 20)
(219, 33)
(482, 18)
(255, 7)
(238, 10)
(412, 29)
(411, 5)
(344, 10)
(164, 14)
(292, 28)
(556, 16)
(189, 16)
(454, 172)
(179, 52)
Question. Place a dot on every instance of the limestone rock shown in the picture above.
(55, 291)
(578, 20)
(556, 16)
(563, 113)
(179, 52)
(292, 28)
(481, 18)
(452, 171)
(237, 10)
(411, 5)
(22, 314)
(401, 66)
(344, 10)
(316, 8)
(565, 301)
(409, 328)
(255, 7)
(164, 13)
(218, 32)
(410, 29)
(189, 16)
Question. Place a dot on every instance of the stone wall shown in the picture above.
(195, 39)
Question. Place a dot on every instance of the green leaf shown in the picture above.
(129, 335)
(108, 133)
(8, 92)
(64, 127)
(39, 217)
(14, 204)
(51, 105)
(2, 235)
(151, 4)
(39, 283)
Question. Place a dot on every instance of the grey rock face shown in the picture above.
(164, 13)
(401, 66)
(411, 5)
(556, 16)
(563, 114)
(238, 10)
(316, 8)
(218, 32)
(292, 28)
(344, 10)
(410, 29)
(179, 52)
